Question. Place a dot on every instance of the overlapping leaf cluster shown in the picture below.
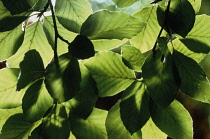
(61, 64)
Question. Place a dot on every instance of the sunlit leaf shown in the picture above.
(151, 131)
(161, 77)
(63, 78)
(72, 13)
(56, 124)
(50, 34)
(146, 39)
(193, 79)
(107, 44)
(91, 128)
(132, 57)
(36, 101)
(124, 3)
(17, 127)
(200, 34)
(110, 73)
(186, 46)
(111, 25)
(10, 41)
(33, 39)
(31, 68)
(9, 97)
(6, 113)
(174, 120)
(134, 107)
(83, 102)
(196, 4)
(115, 127)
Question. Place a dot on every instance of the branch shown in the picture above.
(55, 29)
(163, 26)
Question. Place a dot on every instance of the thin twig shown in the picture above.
(55, 29)
(165, 23)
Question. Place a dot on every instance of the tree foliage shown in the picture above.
(59, 65)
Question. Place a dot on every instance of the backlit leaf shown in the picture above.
(161, 78)
(91, 128)
(111, 25)
(124, 3)
(10, 41)
(115, 127)
(193, 79)
(9, 97)
(36, 101)
(151, 131)
(196, 4)
(83, 102)
(31, 68)
(63, 78)
(56, 124)
(33, 39)
(132, 57)
(134, 107)
(110, 73)
(146, 39)
(72, 13)
(174, 120)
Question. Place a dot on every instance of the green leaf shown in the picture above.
(63, 78)
(107, 44)
(200, 33)
(31, 68)
(110, 25)
(72, 13)
(151, 131)
(124, 3)
(193, 79)
(56, 124)
(181, 17)
(161, 77)
(132, 57)
(18, 6)
(188, 48)
(33, 39)
(9, 98)
(83, 102)
(146, 39)
(91, 128)
(36, 101)
(10, 22)
(115, 127)
(6, 113)
(50, 34)
(16, 127)
(109, 72)
(174, 120)
(196, 4)
(81, 47)
(10, 41)
(134, 107)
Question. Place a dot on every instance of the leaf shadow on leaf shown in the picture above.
(61, 20)
(196, 46)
